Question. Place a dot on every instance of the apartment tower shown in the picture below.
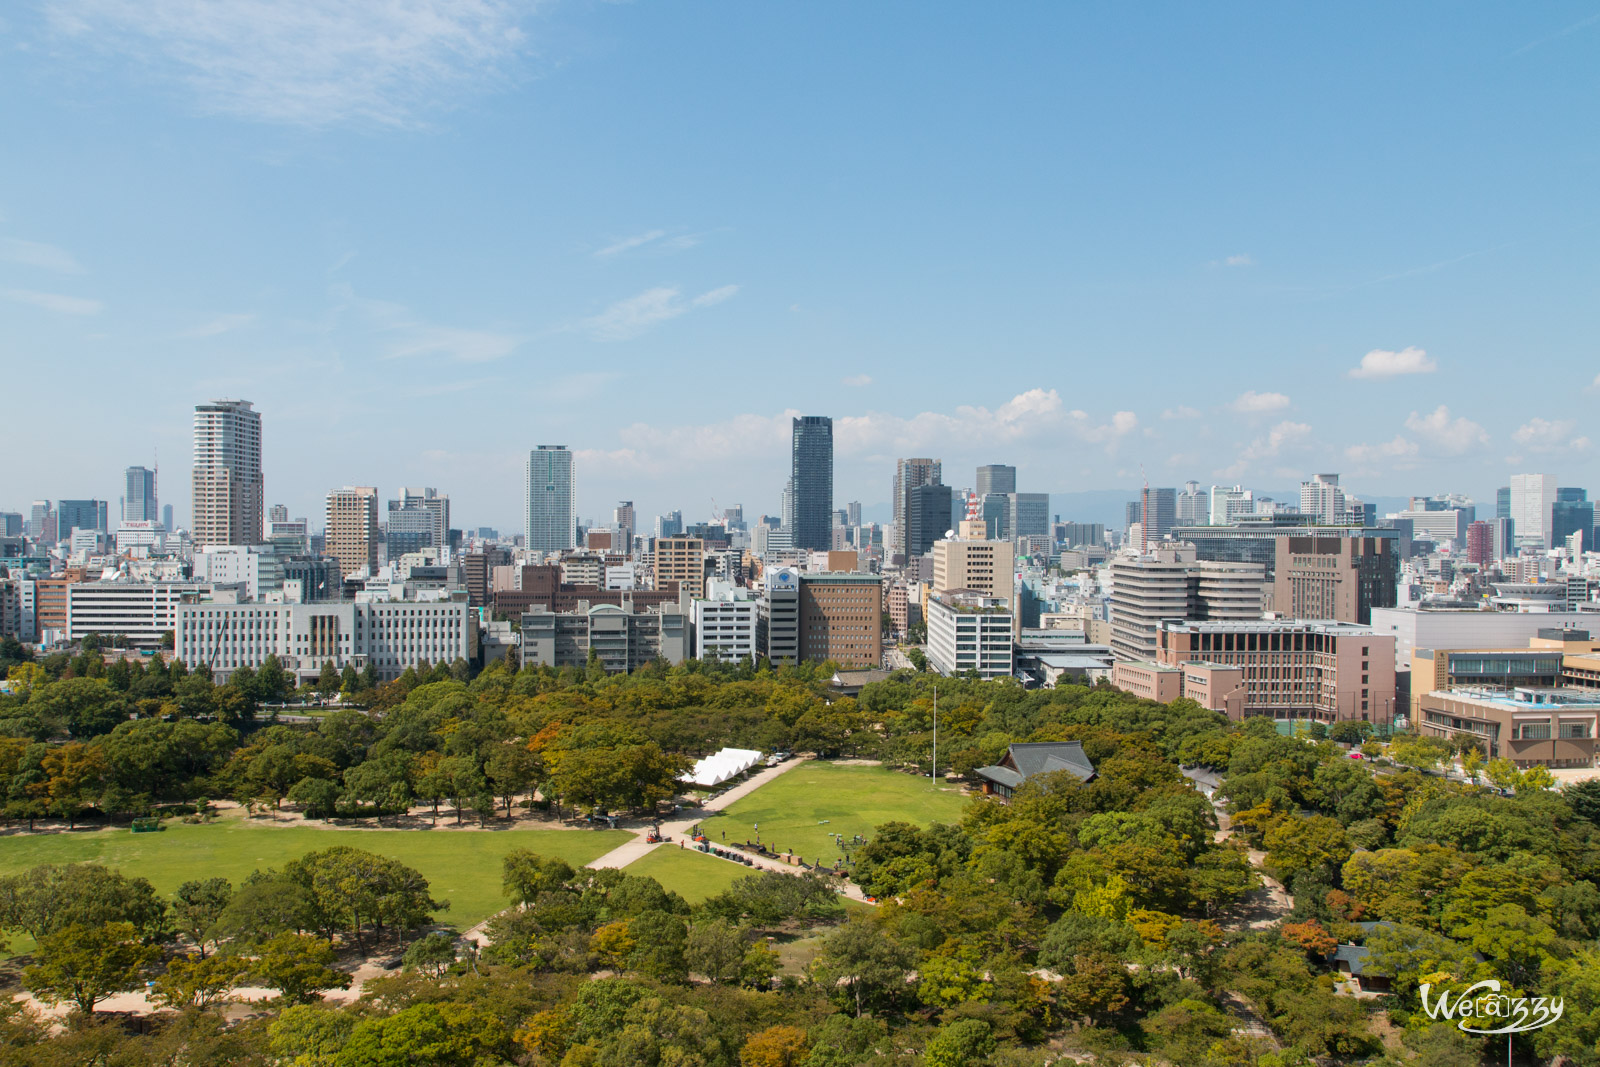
(552, 502)
(229, 493)
(351, 533)
(811, 479)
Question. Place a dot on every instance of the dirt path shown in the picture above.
(1265, 907)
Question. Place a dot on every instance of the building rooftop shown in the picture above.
(1259, 626)
(1527, 699)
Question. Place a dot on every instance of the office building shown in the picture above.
(623, 637)
(1531, 726)
(1323, 500)
(1230, 504)
(140, 611)
(139, 496)
(1192, 506)
(725, 624)
(976, 564)
(11, 524)
(1341, 578)
(622, 523)
(1502, 502)
(292, 536)
(229, 493)
(909, 474)
(1163, 513)
(680, 565)
(670, 524)
(1571, 512)
(166, 518)
(852, 514)
(1170, 583)
(419, 519)
(551, 500)
(1438, 526)
(927, 517)
(970, 632)
(811, 504)
(1028, 515)
(995, 511)
(1415, 628)
(80, 515)
(841, 619)
(778, 617)
(1281, 668)
(390, 635)
(996, 479)
(1502, 537)
(351, 530)
(1532, 502)
(41, 524)
(1254, 538)
(1081, 534)
(1480, 543)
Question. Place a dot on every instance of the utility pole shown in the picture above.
(936, 737)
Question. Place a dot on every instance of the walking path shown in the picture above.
(678, 831)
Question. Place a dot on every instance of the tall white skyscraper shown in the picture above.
(552, 499)
(1230, 502)
(1533, 499)
(139, 496)
(1322, 498)
(1193, 505)
(229, 493)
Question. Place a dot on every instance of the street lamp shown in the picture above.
(935, 774)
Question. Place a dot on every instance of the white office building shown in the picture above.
(1533, 501)
(139, 611)
(970, 632)
(725, 623)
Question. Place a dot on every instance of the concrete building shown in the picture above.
(778, 617)
(551, 500)
(1532, 502)
(1323, 500)
(968, 631)
(351, 531)
(1193, 505)
(229, 505)
(623, 637)
(139, 496)
(995, 479)
(908, 475)
(1229, 504)
(811, 465)
(1027, 515)
(681, 565)
(1552, 727)
(1171, 584)
(1480, 543)
(1438, 525)
(140, 611)
(1414, 628)
(841, 618)
(1551, 659)
(725, 624)
(419, 519)
(927, 515)
(622, 520)
(388, 635)
(983, 566)
(670, 524)
(1572, 513)
(73, 515)
(1334, 577)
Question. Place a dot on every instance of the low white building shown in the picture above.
(389, 635)
(139, 611)
(970, 632)
(725, 623)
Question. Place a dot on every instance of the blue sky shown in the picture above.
(1230, 243)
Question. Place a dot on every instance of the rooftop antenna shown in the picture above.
(1144, 513)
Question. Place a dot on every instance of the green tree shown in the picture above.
(715, 950)
(351, 889)
(310, 1035)
(197, 905)
(446, 1035)
(776, 1046)
(199, 982)
(526, 875)
(433, 955)
(85, 964)
(963, 1043)
(317, 798)
(864, 963)
(46, 898)
(299, 966)
(329, 680)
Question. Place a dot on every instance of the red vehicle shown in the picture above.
(1355, 755)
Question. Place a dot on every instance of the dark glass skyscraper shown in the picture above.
(812, 478)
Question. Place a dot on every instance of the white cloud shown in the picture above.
(467, 346)
(1398, 451)
(654, 241)
(629, 318)
(1382, 363)
(857, 380)
(220, 325)
(308, 62)
(1547, 435)
(1284, 435)
(35, 254)
(1596, 383)
(1451, 437)
(628, 244)
(1182, 411)
(1241, 260)
(66, 305)
(1254, 403)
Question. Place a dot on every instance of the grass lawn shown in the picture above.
(798, 810)
(693, 875)
(462, 866)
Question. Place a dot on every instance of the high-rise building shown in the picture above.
(1193, 505)
(680, 564)
(1533, 498)
(229, 492)
(1163, 514)
(1342, 578)
(11, 524)
(166, 517)
(1480, 543)
(852, 513)
(670, 524)
(927, 518)
(841, 619)
(996, 478)
(812, 476)
(908, 475)
(1230, 503)
(1169, 583)
(351, 533)
(1323, 500)
(1502, 537)
(278, 513)
(974, 563)
(139, 495)
(622, 520)
(1028, 515)
(1572, 512)
(552, 501)
(80, 515)
(1502, 502)
(419, 519)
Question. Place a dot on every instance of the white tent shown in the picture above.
(718, 768)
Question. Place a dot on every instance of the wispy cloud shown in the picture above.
(1549, 435)
(220, 325)
(1450, 437)
(1398, 452)
(66, 305)
(1241, 260)
(1182, 411)
(466, 346)
(37, 254)
(1270, 445)
(1383, 363)
(628, 244)
(1251, 402)
(627, 319)
(857, 380)
(1574, 28)
(308, 62)
(650, 241)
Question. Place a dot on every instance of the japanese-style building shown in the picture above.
(1023, 761)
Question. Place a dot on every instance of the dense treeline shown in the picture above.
(1107, 917)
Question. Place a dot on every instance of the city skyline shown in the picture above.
(1345, 300)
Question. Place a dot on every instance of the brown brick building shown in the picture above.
(841, 618)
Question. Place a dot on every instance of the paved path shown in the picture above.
(678, 830)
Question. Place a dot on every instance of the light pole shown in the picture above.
(935, 774)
